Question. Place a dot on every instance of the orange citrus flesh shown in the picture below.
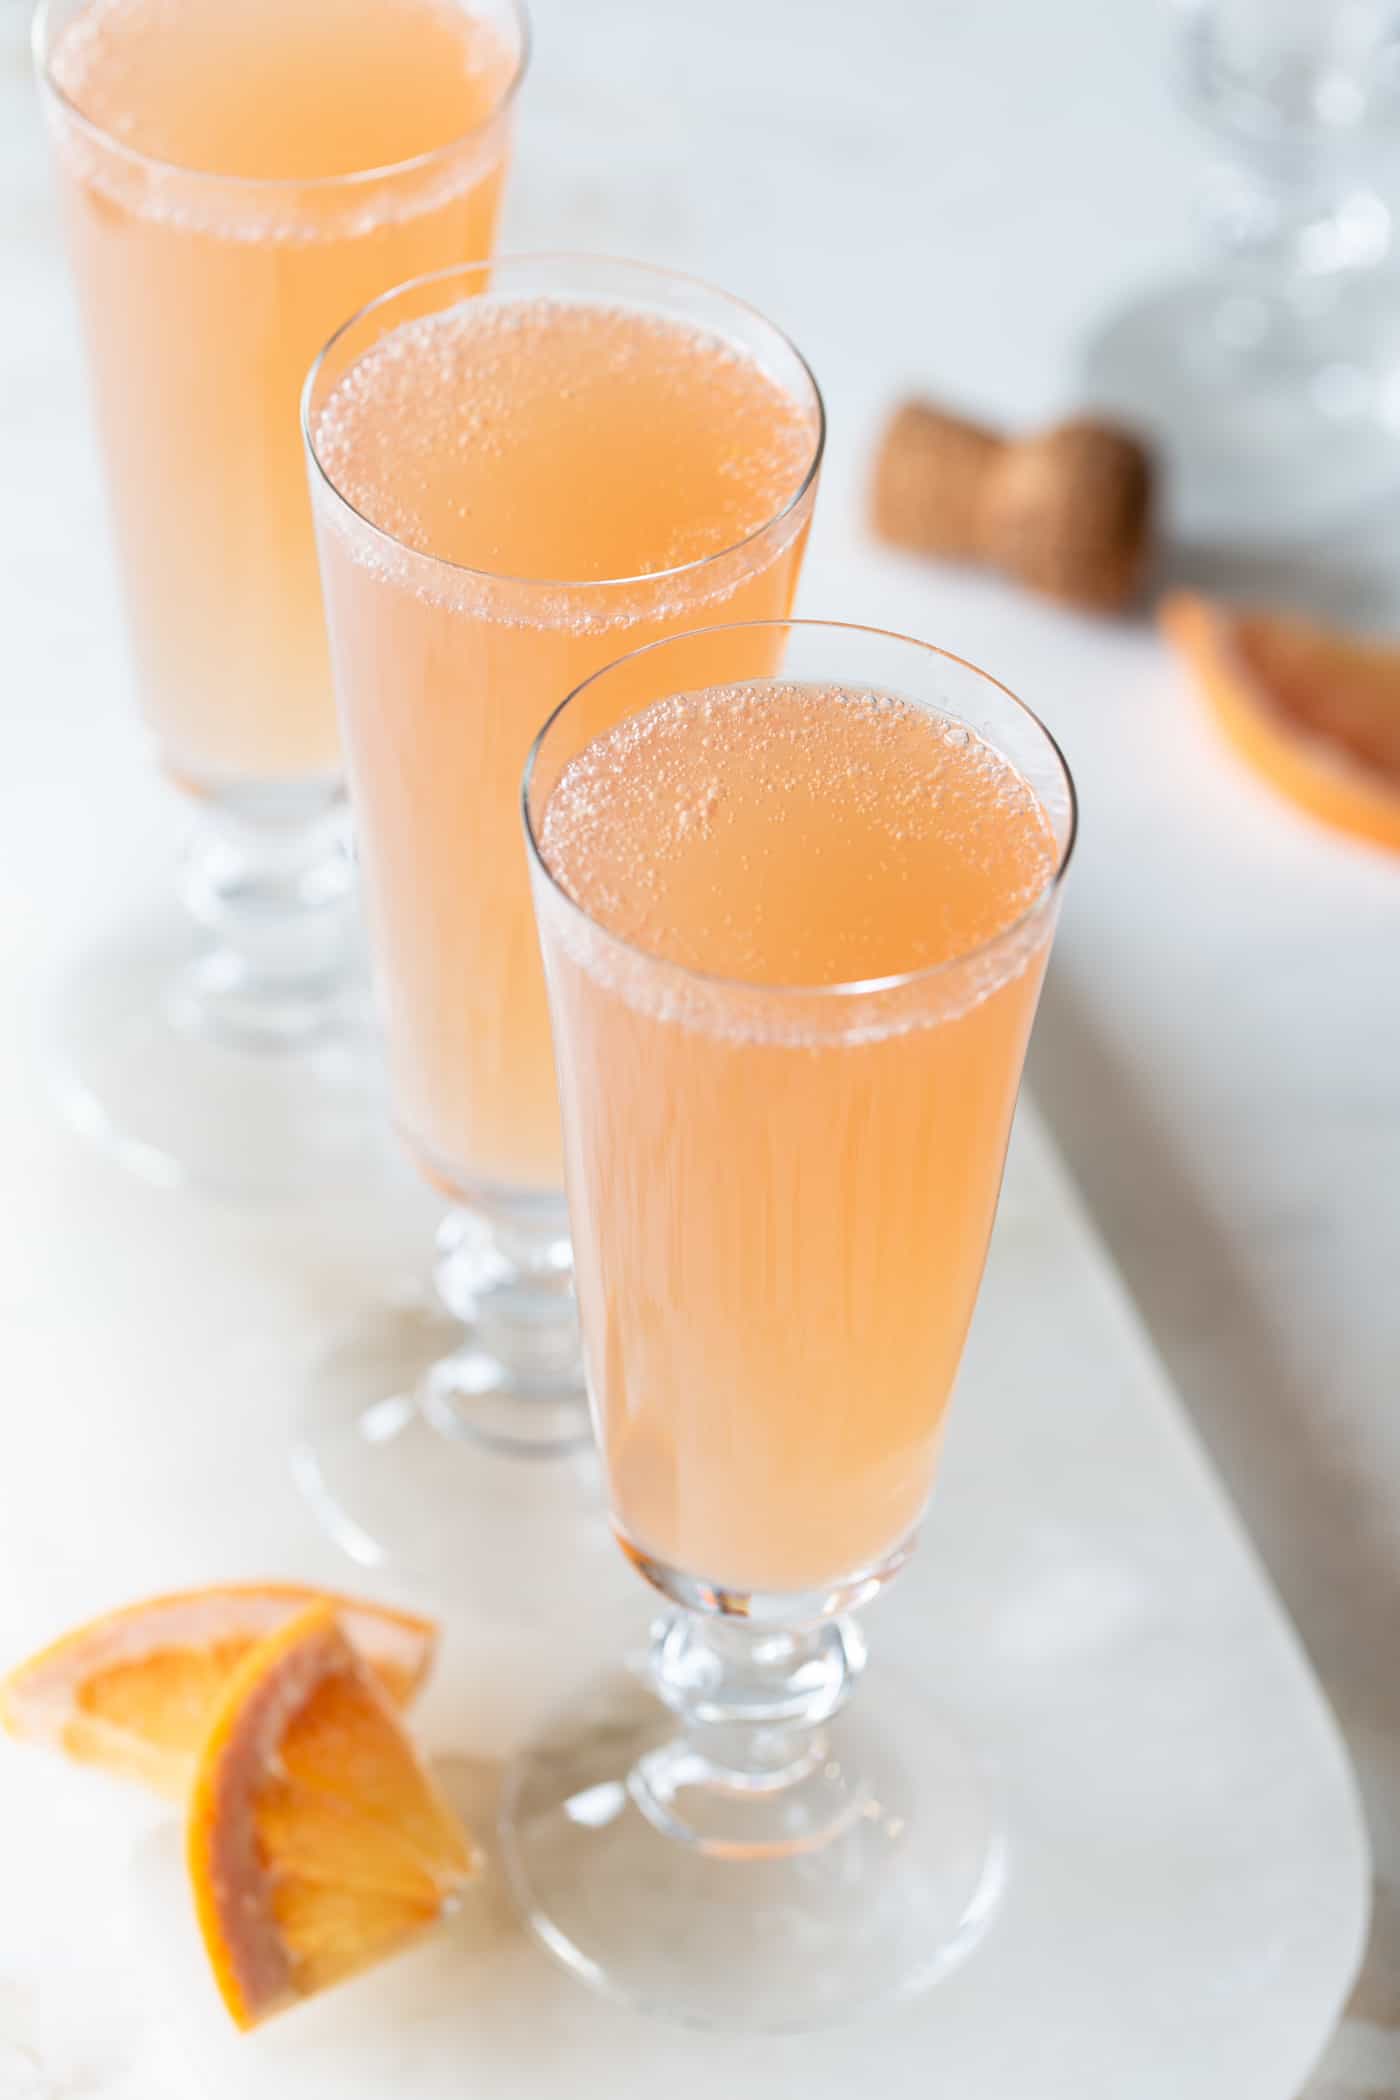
(1314, 712)
(317, 1843)
(135, 1690)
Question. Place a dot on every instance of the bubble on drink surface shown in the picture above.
(527, 439)
(196, 114)
(798, 836)
(284, 91)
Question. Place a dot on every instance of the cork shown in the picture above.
(1067, 511)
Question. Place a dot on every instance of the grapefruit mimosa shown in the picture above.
(515, 471)
(794, 927)
(236, 179)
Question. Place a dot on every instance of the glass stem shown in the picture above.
(505, 1271)
(749, 1772)
(513, 1283)
(269, 881)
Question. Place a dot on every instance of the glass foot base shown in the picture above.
(413, 1450)
(1272, 429)
(865, 1882)
(134, 1070)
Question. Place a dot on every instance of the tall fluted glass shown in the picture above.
(517, 469)
(1270, 374)
(782, 1189)
(235, 180)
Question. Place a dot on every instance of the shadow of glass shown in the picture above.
(1322, 1519)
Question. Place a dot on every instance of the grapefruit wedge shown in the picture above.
(316, 1841)
(136, 1690)
(1314, 712)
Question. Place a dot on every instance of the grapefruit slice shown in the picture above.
(135, 1690)
(317, 1843)
(1315, 712)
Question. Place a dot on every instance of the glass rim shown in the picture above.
(853, 988)
(262, 185)
(656, 272)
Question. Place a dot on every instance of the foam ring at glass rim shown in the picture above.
(534, 797)
(51, 17)
(638, 278)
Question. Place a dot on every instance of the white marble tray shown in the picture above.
(1186, 1899)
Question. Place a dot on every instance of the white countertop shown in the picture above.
(950, 198)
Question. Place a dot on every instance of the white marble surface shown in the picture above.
(1186, 1890)
(951, 197)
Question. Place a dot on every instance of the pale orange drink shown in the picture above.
(512, 489)
(238, 176)
(783, 1192)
